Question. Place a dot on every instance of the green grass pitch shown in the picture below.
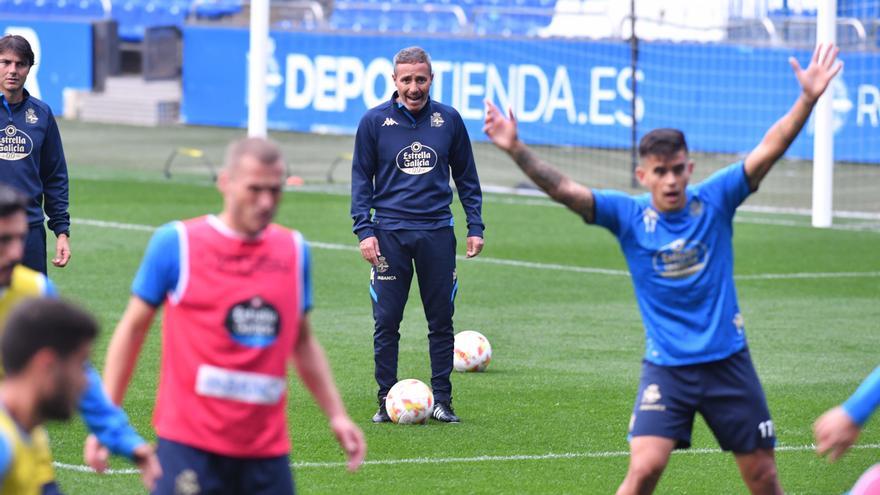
(550, 414)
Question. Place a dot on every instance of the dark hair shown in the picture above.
(40, 323)
(662, 142)
(412, 55)
(19, 46)
(11, 200)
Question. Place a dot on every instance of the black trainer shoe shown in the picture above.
(381, 415)
(443, 412)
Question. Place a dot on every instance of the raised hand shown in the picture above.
(822, 69)
(501, 131)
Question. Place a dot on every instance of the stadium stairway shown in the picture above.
(128, 100)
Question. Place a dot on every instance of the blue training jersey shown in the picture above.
(401, 167)
(682, 267)
(160, 269)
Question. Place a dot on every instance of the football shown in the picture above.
(472, 351)
(409, 402)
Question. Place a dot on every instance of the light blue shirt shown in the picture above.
(682, 267)
(160, 269)
(865, 400)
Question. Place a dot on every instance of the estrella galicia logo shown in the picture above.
(416, 159)
(254, 323)
(681, 258)
(15, 144)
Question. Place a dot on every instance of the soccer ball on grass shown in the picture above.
(409, 402)
(472, 351)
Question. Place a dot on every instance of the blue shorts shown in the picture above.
(187, 469)
(727, 393)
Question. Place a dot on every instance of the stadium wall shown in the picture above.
(64, 56)
(571, 93)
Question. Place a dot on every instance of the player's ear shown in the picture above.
(640, 174)
(222, 180)
(44, 362)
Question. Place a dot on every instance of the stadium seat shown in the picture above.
(354, 20)
(169, 13)
(88, 8)
(443, 22)
(131, 18)
(508, 23)
(214, 9)
(21, 7)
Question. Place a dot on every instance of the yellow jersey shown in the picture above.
(31, 463)
(25, 283)
(25, 458)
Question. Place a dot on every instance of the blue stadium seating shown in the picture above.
(214, 9)
(136, 16)
(53, 8)
(488, 16)
(507, 23)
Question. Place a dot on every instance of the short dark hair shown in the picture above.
(662, 142)
(19, 46)
(40, 323)
(412, 55)
(11, 200)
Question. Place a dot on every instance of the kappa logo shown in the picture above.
(696, 208)
(15, 144)
(416, 159)
(739, 322)
(30, 116)
(389, 121)
(437, 120)
(650, 219)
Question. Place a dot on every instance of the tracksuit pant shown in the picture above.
(432, 254)
(35, 249)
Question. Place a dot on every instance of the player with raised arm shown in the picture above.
(677, 241)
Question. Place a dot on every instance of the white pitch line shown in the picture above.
(524, 264)
(483, 458)
(114, 225)
(807, 275)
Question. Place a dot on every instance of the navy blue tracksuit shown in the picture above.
(32, 161)
(401, 169)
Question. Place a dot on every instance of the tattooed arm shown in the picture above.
(578, 198)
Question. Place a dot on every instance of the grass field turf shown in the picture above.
(566, 344)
